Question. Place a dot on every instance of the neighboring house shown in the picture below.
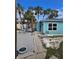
(51, 27)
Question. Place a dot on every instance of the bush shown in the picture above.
(50, 52)
(56, 52)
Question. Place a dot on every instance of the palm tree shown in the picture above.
(38, 11)
(53, 14)
(44, 13)
(31, 8)
(47, 12)
(30, 18)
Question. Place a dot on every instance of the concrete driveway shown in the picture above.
(33, 46)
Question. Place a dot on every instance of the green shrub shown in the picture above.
(56, 52)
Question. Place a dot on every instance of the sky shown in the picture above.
(45, 4)
(53, 4)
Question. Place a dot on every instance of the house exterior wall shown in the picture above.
(58, 31)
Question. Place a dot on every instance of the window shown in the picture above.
(54, 26)
(50, 26)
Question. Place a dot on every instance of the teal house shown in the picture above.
(51, 27)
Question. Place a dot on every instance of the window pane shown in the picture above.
(54, 24)
(50, 26)
(54, 28)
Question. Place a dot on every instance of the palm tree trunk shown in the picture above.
(32, 25)
(27, 25)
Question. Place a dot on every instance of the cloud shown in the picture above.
(60, 13)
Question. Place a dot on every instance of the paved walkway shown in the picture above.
(33, 45)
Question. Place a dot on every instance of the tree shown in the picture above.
(31, 8)
(30, 18)
(44, 13)
(47, 12)
(54, 13)
(60, 51)
(38, 11)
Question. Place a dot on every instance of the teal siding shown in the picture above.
(58, 31)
